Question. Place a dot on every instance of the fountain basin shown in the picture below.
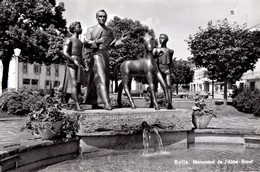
(121, 128)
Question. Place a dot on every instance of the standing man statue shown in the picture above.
(164, 61)
(72, 51)
(99, 38)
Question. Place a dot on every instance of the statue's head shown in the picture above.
(75, 25)
(149, 41)
(101, 17)
(163, 38)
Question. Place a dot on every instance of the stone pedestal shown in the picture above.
(121, 128)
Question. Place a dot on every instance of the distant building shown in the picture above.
(200, 82)
(203, 85)
(251, 79)
(36, 75)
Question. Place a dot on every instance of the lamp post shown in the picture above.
(17, 52)
(13, 73)
(1, 69)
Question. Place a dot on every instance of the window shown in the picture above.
(241, 85)
(252, 85)
(47, 82)
(37, 68)
(34, 81)
(25, 68)
(26, 81)
(48, 70)
(57, 70)
(56, 83)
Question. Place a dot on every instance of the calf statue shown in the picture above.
(144, 67)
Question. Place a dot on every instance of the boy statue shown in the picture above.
(165, 61)
(72, 51)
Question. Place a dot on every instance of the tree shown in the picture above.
(134, 46)
(226, 51)
(181, 73)
(35, 26)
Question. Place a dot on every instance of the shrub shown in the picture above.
(236, 91)
(248, 101)
(125, 102)
(159, 97)
(20, 102)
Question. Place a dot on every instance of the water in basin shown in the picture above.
(196, 158)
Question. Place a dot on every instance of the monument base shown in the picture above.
(121, 128)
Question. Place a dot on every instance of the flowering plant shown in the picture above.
(200, 109)
(43, 119)
(46, 113)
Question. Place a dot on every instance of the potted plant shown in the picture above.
(45, 122)
(201, 115)
(48, 120)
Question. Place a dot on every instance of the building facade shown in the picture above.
(252, 78)
(203, 85)
(36, 75)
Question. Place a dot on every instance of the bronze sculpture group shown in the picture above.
(99, 38)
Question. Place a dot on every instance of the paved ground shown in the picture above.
(11, 136)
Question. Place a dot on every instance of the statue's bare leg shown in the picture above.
(165, 88)
(149, 77)
(74, 96)
(168, 82)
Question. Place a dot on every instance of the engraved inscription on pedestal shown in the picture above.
(127, 121)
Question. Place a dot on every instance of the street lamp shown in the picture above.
(17, 52)
(232, 11)
(13, 73)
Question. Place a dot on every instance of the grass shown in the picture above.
(228, 110)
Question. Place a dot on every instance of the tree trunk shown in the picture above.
(212, 89)
(225, 92)
(1, 76)
(177, 89)
(6, 61)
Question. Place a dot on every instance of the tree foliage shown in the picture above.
(36, 27)
(134, 47)
(227, 51)
(181, 72)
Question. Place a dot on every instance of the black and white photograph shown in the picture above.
(129, 85)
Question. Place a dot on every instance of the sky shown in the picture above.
(176, 18)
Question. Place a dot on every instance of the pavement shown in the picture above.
(12, 137)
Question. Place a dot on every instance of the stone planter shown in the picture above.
(50, 134)
(202, 121)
